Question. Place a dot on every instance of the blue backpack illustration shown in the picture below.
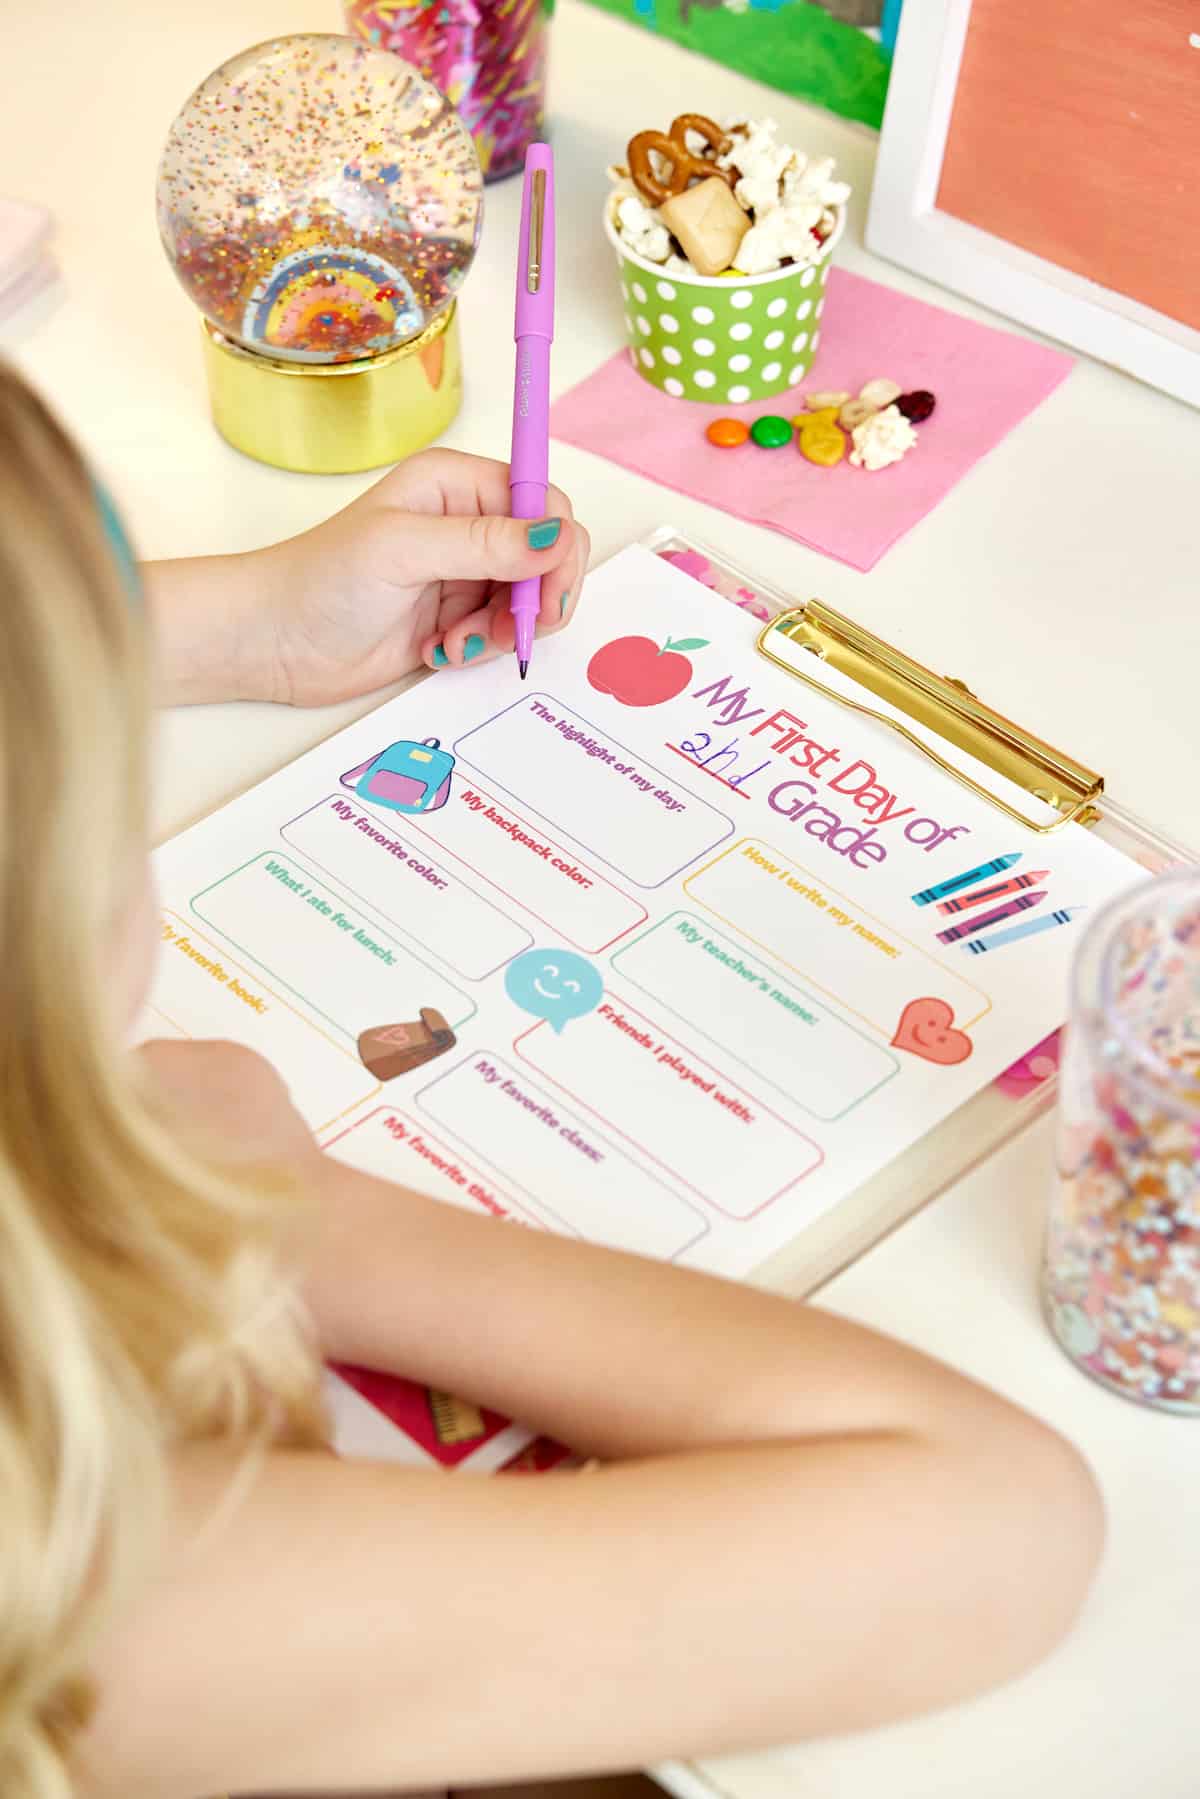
(406, 777)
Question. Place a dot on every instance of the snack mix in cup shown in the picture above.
(723, 238)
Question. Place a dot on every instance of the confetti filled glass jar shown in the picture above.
(1122, 1270)
(487, 56)
(722, 339)
(320, 203)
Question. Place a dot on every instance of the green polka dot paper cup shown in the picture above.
(721, 339)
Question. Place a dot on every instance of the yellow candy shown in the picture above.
(821, 441)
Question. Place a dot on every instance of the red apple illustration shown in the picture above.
(639, 672)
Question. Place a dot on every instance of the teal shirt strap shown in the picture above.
(117, 536)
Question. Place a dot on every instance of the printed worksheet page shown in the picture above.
(661, 948)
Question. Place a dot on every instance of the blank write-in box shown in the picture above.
(520, 860)
(387, 1143)
(394, 874)
(571, 1169)
(200, 990)
(341, 963)
(839, 948)
(771, 1028)
(690, 1115)
(637, 818)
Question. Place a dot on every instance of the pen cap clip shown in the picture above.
(535, 252)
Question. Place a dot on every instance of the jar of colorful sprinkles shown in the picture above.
(1121, 1284)
(487, 56)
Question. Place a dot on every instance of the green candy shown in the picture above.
(771, 432)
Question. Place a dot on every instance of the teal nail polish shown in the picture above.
(473, 647)
(562, 604)
(440, 658)
(545, 533)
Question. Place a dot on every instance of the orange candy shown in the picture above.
(727, 434)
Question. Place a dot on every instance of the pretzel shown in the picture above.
(683, 164)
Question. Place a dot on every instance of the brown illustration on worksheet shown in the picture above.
(390, 1050)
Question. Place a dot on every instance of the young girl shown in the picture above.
(798, 1526)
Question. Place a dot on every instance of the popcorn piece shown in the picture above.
(709, 224)
(882, 439)
(779, 234)
(640, 229)
(813, 183)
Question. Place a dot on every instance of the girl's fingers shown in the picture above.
(444, 481)
(480, 632)
(467, 641)
(560, 597)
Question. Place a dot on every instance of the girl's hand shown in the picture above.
(229, 1101)
(415, 572)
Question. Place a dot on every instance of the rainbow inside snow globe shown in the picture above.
(320, 203)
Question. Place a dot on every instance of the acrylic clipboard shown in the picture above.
(1034, 785)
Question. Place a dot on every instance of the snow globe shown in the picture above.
(320, 203)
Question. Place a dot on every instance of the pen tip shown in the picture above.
(524, 668)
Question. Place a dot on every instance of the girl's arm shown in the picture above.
(841, 1532)
(416, 565)
(613, 1354)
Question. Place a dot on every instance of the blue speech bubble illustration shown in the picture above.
(554, 984)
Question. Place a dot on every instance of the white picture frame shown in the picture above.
(905, 226)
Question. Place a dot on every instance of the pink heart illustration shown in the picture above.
(926, 1029)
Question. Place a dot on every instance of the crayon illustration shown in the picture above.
(997, 891)
(1029, 928)
(1008, 910)
(957, 882)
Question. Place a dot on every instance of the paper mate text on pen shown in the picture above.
(998, 890)
(1029, 928)
(1011, 907)
(996, 866)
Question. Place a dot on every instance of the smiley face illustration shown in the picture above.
(554, 984)
(550, 971)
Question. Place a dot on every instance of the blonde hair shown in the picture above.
(142, 1296)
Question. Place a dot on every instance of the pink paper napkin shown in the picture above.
(986, 381)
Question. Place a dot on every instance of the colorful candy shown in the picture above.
(882, 433)
(727, 434)
(771, 432)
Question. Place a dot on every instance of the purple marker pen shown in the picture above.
(529, 470)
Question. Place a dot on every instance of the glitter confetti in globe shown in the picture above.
(319, 200)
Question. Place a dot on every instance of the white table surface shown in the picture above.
(1060, 578)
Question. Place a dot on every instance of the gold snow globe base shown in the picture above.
(336, 418)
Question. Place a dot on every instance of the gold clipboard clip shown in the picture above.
(942, 705)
